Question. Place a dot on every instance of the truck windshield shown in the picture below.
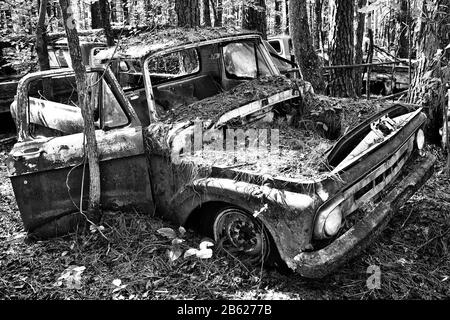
(244, 60)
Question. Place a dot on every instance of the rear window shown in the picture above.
(59, 58)
(174, 65)
(244, 60)
(129, 74)
(276, 45)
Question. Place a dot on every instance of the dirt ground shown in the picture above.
(131, 259)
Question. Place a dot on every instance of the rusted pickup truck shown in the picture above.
(203, 130)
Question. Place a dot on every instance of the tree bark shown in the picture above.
(302, 41)
(318, 44)
(206, 13)
(217, 12)
(432, 70)
(41, 37)
(358, 46)
(254, 17)
(93, 210)
(106, 21)
(41, 46)
(402, 29)
(284, 17)
(342, 48)
(188, 13)
(96, 20)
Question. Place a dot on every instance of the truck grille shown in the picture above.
(376, 181)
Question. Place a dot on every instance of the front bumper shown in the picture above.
(317, 264)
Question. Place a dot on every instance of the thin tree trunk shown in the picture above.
(358, 47)
(41, 47)
(284, 18)
(219, 13)
(188, 13)
(93, 212)
(342, 48)
(206, 13)
(254, 16)
(302, 41)
(213, 6)
(106, 21)
(41, 37)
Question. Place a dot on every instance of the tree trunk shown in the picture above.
(402, 29)
(318, 25)
(41, 37)
(188, 13)
(41, 46)
(341, 48)
(284, 17)
(218, 12)
(254, 16)
(93, 212)
(432, 70)
(95, 15)
(358, 47)
(106, 21)
(307, 58)
(206, 13)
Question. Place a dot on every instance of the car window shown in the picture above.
(129, 74)
(276, 45)
(53, 106)
(173, 65)
(112, 113)
(244, 60)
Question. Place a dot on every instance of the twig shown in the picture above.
(241, 165)
(8, 140)
(432, 239)
(403, 224)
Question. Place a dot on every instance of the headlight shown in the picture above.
(420, 139)
(328, 221)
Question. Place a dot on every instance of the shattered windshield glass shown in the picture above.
(243, 60)
(174, 65)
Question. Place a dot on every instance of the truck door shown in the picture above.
(48, 166)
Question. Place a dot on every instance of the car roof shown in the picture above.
(278, 37)
(146, 43)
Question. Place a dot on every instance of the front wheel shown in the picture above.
(238, 233)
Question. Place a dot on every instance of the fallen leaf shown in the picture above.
(205, 244)
(174, 254)
(167, 232)
(71, 276)
(118, 285)
(117, 282)
(177, 241)
(204, 253)
(190, 252)
(182, 231)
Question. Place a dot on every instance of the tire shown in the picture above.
(238, 233)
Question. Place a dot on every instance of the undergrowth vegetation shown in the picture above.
(143, 257)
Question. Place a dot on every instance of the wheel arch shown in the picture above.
(288, 217)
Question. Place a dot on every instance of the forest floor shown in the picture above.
(131, 260)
